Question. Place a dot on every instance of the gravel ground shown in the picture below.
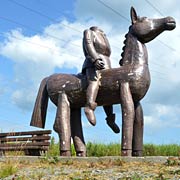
(108, 168)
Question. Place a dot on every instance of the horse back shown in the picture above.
(72, 85)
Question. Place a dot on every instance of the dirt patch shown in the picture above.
(105, 168)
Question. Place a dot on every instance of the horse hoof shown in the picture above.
(81, 154)
(65, 153)
(126, 152)
(90, 115)
(138, 153)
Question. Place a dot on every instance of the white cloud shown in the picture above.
(36, 57)
(162, 117)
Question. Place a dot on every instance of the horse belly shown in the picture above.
(109, 93)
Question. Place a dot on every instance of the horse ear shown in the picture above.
(133, 15)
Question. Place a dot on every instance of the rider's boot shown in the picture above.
(89, 111)
(90, 106)
(111, 123)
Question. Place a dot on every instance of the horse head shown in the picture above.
(146, 29)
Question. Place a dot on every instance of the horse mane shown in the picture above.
(130, 49)
(123, 48)
(125, 55)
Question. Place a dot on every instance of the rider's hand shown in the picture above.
(99, 64)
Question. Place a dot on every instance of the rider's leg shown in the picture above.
(91, 94)
(111, 118)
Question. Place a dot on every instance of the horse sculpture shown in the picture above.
(125, 85)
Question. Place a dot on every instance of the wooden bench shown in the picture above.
(33, 143)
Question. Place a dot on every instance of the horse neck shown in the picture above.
(134, 52)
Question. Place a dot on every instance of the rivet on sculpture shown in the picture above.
(125, 85)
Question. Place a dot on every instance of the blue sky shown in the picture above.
(39, 38)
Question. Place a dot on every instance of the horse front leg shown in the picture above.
(127, 106)
(138, 131)
(77, 132)
(62, 124)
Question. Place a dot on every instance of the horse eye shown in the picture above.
(142, 19)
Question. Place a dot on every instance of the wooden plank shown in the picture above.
(25, 133)
(25, 144)
(23, 148)
(16, 139)
(24, 141)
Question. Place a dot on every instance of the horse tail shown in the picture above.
(40, 108)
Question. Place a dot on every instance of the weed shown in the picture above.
(50, 159)
(136, 177)
(177, 172)
(161, 176)
(173, 161)
(118, 162)
(53, 149)
(68, 162)
(7, 169)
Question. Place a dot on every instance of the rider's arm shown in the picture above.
(89, 46)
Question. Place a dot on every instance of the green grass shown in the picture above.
(114, 149)
(161, 150)
(148, 150)
(7, 169)
(98, 150)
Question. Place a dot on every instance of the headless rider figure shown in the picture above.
(97, 52)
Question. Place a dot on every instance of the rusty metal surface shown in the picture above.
(125, 85)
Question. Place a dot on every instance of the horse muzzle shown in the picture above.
(170, 23)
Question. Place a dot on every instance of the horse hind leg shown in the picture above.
(127, 106)
(77, 132)
(138, 131)
(62, 124)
